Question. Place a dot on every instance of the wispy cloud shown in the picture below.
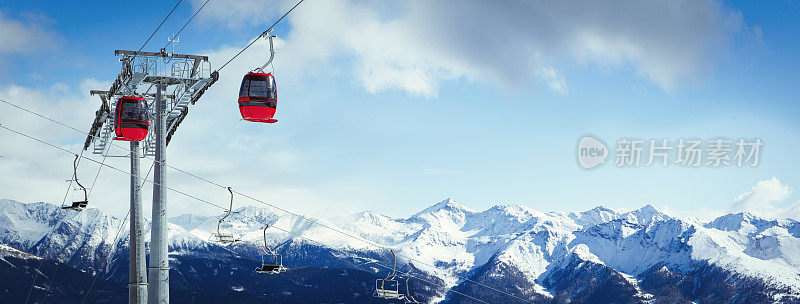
(413, 46)
(767, 199)
(24, 35)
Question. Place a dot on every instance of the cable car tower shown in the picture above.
(182, 78)
(168, 84)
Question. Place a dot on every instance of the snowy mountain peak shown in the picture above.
(741, 220)
(514, 209)
(601, 209)
(188, 221)
(254, 213)
(370, 217)
(507, 215)
(448, 205)
(594, 216)
(649, 209)
(535, 246)
(446, 215)
(646, 215)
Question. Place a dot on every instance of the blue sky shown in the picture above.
(486, 113)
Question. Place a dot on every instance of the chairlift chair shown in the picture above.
(388, 287)
(275, 267)
(77, 205)
(225, 237)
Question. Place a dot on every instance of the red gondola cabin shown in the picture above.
(130, 119)
(258, 97)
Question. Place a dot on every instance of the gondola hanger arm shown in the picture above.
(271, 51)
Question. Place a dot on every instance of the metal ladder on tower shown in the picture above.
(176, 112)
(105, 134)
(150, 150)
(185, 99)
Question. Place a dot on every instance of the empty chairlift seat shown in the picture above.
(77, 205)
(271, 261)
(388, 287)
(222, 236)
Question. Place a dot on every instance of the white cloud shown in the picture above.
(767, 199)
(386, 45)
(554, 79)
(31, 171)
(265, 166)
(237, 14)
(414, 45)
(20, 36)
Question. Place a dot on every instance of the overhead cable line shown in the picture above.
(66, 194)
(61, 214)
(262, 35)
(69, 186)
(158, 28)
(104, 157)
(408, 274)
(94, 161)
(80, 157)
(36, 273)
(299, 216)
(52, 277)
(189, 195)
(94, 279)
(184, 25)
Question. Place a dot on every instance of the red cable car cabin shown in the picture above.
(258, 97)
(130, 119)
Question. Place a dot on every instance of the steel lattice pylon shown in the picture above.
(186, 78)
(169, 83)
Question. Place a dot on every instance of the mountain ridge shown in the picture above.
(457, 245)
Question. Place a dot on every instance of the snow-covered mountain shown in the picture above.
(501, 255)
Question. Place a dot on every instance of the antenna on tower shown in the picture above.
(174, 40)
